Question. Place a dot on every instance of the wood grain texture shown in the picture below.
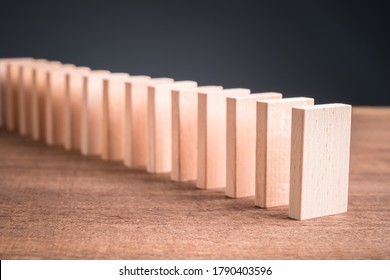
(320, 148)
(92, 111)
(61, 205)
(160, 125)
(211, 171)
(136, 148)
(241, 143)
(185, 132)
(113, 128)
(273, 147)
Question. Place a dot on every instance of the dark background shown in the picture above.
(332, 51)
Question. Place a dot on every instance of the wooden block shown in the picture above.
(114, 93)
(57, 123)
(4, 86)
(273, 143)
(92, 111)
(12, 89)
(320, 151)
(136, 119)
(38, 98)
(3, 72)
(212, 137)
(160, 125)
(25, 95)
(77, 88)
(185, 132)
(241, 143)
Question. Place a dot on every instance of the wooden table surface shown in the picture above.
(60, 205)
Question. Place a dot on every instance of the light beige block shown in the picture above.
(5, 90)
(38, 99)
(12, 92)
(25, 95)
(185, 132)
(160, 125)
(113, 129)
(273, 142)
(57, 123)
(135, 154)
(212, 137)
(320, 150)
(92, 112)
(77, 88)
(241, 143)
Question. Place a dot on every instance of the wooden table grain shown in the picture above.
(61, 205)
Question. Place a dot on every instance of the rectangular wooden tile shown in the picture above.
(135, 153)
(212, 137)
(57, 123)
(92, 112)
(5, 87)
(12, 89)
(160, 125)
(114, 97)
(320, 150)
(273, 142)
(3, 73)
(38, 99)
(241, 143)
(77, 88)
(25, 95)
(185, 132)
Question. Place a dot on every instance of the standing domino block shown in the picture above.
(241, 143)
(185, 132)
(212, 137)
(25, 97)
(273, 143)
(38, 98)
(114, 92)
(12, 89)
(77, 88)
(4, 75)
(92, 113)
(160, 125)
(56, 100)
(24, 94)
(136, 119)
(320, 151)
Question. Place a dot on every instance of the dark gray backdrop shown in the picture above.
(332, 51)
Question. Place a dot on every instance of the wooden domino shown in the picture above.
(185, 132)
(160, 125)
(92, 112)
(12, 89)
(57, 124)
(114, 93)
(38, 98)
(77, 88)
(273, 142)
(25, 95)
(241, 143)
(211, 171)
(135, 153)
(320, 149)
(4, 91)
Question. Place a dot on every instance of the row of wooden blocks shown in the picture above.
(282, 151)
